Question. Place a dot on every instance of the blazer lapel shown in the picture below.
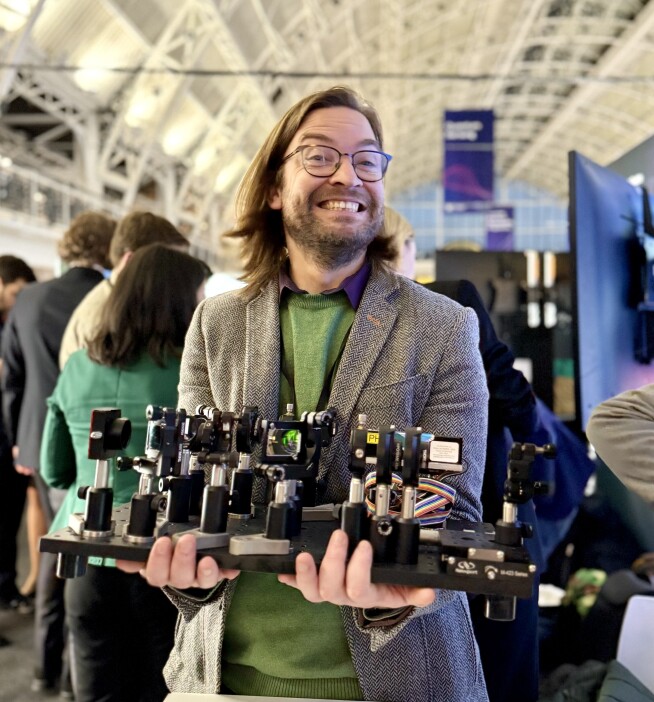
(262, 352)
(372, 324)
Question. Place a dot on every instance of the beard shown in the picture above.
(335, 244)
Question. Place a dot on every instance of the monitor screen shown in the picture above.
(606, 219)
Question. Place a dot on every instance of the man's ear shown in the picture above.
(274, 198)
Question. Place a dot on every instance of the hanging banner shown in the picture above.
(468, 175)
(499, 229)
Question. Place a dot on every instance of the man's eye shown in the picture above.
(368, 161)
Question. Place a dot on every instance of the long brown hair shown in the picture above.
(259, 227)
(150, 307)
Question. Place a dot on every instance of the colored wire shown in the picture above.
(433, 505)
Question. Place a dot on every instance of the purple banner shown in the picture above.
(468, 176)
(499, 229)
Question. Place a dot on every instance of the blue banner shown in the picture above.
(468, 175)
(499, 229)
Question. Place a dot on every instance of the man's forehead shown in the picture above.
(332, 123)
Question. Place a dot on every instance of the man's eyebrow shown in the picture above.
(323, 138)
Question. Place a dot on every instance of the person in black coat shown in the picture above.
(509, 650)
(30, 350)
(15, 274)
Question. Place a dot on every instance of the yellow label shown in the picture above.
(373, 437)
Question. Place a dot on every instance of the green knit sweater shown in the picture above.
(276, 643)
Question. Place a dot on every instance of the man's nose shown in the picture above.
(345, 173)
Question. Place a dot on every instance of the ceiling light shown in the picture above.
(93, 80)
(204, 159)
(141, 109)
(14, 14)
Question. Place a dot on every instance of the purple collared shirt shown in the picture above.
(353, 285)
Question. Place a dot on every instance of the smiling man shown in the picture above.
(324, 322)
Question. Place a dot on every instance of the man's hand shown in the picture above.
(343, 583)
(177, 566)
(18, 467)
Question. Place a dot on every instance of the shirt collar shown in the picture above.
(353, 286)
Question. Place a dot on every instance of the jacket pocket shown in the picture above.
(401, 403)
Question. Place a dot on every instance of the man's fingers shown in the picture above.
(208, 573)
(332, 569)
(183, 563)
(363, 593)
(421, 596)
(130, 566)
(157, 569)
(357, 578)
(306, 578)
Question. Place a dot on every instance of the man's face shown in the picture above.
(8, 294)
(333, 219)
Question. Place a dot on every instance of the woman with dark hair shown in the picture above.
(121, 629)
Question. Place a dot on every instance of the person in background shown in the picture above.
(323, 322)
(15, 274)
(134, 230)
(405, 239)
(30, 350)
(622, 431)
(509, 650)
(121, 629)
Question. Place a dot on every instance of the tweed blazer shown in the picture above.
(411, 359)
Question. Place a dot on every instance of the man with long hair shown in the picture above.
(323, 322)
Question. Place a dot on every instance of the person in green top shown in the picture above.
(121, 629)
(324, 322)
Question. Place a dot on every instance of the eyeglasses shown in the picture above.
(323, 161)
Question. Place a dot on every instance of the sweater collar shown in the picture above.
(353, 285)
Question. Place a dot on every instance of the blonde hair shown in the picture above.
(259, 227)
(401, 232)
(398, 227)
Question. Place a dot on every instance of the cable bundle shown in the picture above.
(434, 503)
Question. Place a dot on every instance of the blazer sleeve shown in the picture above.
(459, 401)
(13, 378)
(194, 383)
(58, 467)
(622, 431)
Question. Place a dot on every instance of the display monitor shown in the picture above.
(606, 231)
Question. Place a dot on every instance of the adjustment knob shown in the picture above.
(124, 463)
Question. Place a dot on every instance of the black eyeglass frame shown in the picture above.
(302, 147)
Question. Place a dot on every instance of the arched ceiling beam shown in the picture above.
(609, 64)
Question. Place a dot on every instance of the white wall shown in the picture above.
(35, 244)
